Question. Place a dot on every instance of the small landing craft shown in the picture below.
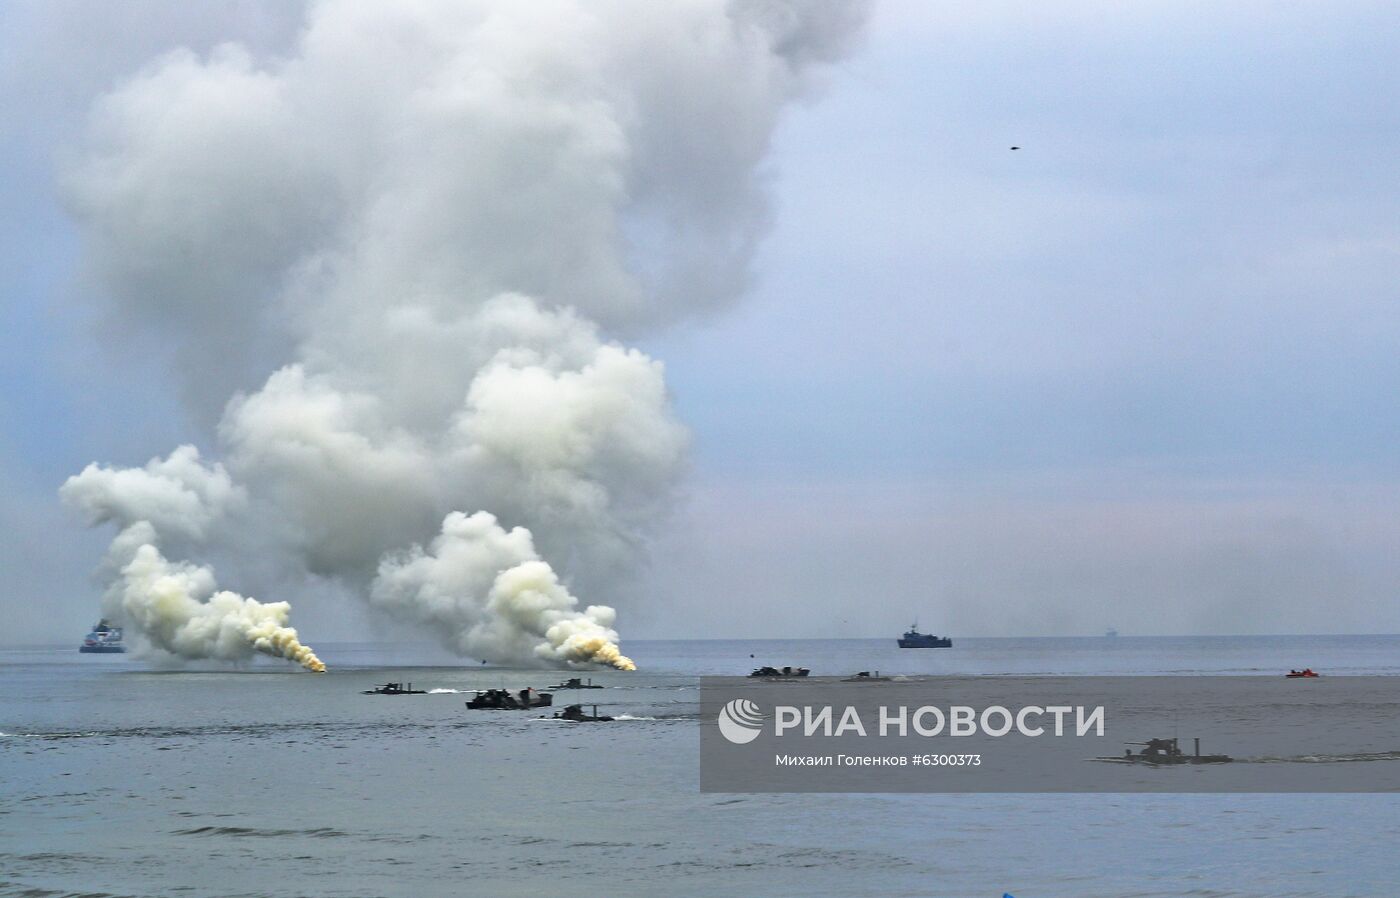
(913, 639)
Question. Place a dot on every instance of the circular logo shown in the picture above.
(740, 721)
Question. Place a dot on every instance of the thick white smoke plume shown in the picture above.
(177, 607)
(526, 610)
(424, 219)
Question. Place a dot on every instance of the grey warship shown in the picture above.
(104, 639)
(913, 639)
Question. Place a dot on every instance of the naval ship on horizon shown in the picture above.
(104, 639)
(913, 639)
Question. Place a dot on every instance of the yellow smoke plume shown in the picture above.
(177, 609)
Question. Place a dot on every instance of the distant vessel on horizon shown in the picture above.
(104, 639)
(1110, 633)
(913, 639)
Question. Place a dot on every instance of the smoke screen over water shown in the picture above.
(394, 267)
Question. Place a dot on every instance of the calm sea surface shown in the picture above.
(119, 780)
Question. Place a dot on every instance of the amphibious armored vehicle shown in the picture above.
(577, 714)
(394, 689)
(1167, 751)
(779, 673)
(510, 700)
(575, 683)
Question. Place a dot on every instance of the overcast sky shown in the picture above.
(1142, 372)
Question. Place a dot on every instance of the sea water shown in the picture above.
(117, 779)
